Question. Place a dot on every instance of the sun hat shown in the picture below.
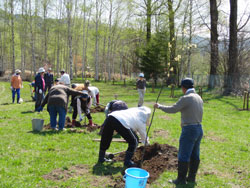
(141, 75)
(40, 70)
(18, 71)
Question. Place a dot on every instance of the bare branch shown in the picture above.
(203, 20)
(244, 23)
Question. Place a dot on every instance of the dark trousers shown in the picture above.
(74, 115)
(112, 124)
(39, 98)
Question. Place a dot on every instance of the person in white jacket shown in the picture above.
(95, 92)
(126, 123)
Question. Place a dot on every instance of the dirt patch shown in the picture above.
(160, 133)
(213, 137)
(166, 117)
(157, 159)
(65, 173)
(68, 124)
(97, 109)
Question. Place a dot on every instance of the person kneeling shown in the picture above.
(126, 123)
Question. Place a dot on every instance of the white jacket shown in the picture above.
(134, 118)
(94, 91)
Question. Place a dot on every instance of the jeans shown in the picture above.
(189, 143)
(53, 110)
(15, 92)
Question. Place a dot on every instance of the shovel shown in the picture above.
(112, 155)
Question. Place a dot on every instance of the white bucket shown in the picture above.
(37, 124)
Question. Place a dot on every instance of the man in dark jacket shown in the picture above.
(57, 99)
(39, 87)
(49, 79)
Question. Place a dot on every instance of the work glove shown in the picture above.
(81, 119)
(22, 86)
(40, 91)
(11, 88)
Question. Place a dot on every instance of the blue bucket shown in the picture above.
(136, 178)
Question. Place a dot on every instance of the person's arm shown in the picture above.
(174, 108)
(90, 103)
(79, 109)
(143, 132)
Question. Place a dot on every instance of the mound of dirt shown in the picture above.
(157, 159)
(68, 124)
(97, 109)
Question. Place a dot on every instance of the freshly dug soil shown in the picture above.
(97, 109)
(68, 124)
(157, 159)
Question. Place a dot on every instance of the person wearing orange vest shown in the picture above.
(16, 85)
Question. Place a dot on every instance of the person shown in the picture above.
(95, 92)
(141, 88)
(82, 104)
(191, 107)
(57, 103)
(16, 85)
(49, 79)
(126, 123)
(39, 87)
(65, 79)
(85, 86)
(112, 106)
(115, 105)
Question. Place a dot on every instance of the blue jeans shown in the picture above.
(15, 92)
(189, 143)
(53, 110)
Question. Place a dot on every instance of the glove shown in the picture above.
(81, 119)
(39, 109)
(40, 91)
(11, 88)
(22, 86)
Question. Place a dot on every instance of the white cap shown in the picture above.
(41, 70)
(141, 75)
(17, 71)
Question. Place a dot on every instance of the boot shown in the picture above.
(182, 172)
(193, 168)
(102, 158)
(128, 162)
(91, 123)
(73, 122)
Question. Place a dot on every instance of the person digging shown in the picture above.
(81, 104)
(126, 123)
(191, 107)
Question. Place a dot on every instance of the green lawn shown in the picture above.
(28, 158)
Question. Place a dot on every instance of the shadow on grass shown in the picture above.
(105, 169)
(27, 112)
(44, 133)
(188, 185)
(7, 103)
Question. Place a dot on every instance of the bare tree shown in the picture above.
(12, 35)
(214, 57)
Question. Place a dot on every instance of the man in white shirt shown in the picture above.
(65, 79)
(126, 123)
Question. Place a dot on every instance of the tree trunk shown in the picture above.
(45, 5)
(97, 42)
(12, 36)
(149, 15)
(233, 70)
(214, 59)
(69, 11)
(32, 41)
(83, 40)
(190, 35)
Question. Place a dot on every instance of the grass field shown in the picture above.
(27, 159)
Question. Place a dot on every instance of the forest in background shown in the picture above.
(118, 38)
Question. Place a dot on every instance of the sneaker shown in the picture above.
(54, 129)
(63, 129)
